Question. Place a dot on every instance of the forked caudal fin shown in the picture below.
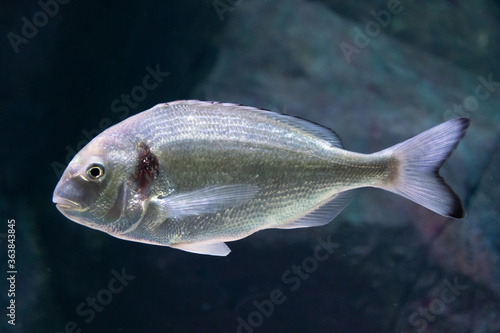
(419, 160)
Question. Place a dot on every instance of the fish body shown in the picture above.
(193, 175)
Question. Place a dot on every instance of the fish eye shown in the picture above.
(95, 171)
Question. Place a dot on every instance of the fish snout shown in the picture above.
(68, 196)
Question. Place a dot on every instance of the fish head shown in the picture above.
(91, 189)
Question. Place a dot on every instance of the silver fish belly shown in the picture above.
(193, 175)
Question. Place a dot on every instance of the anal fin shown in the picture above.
(209, 248)
(322, 215)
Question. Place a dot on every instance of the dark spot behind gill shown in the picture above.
(147, 168)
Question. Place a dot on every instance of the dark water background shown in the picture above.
(377, 72)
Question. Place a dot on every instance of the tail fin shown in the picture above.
(419, 161)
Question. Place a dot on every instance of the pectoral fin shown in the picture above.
(207, 200)
(213, 249)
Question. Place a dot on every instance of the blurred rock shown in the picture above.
(473, 246)
(287, 58)
(459, 32)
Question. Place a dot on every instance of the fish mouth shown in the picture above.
(66, 204)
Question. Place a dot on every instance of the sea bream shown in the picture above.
(193, 175)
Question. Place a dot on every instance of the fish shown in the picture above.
(193, 175)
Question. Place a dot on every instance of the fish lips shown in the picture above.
(71, 210)
(68, 205)
(68, 198)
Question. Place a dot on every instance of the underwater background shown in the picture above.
(376, 72)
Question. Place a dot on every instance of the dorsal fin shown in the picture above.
(310, 127)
